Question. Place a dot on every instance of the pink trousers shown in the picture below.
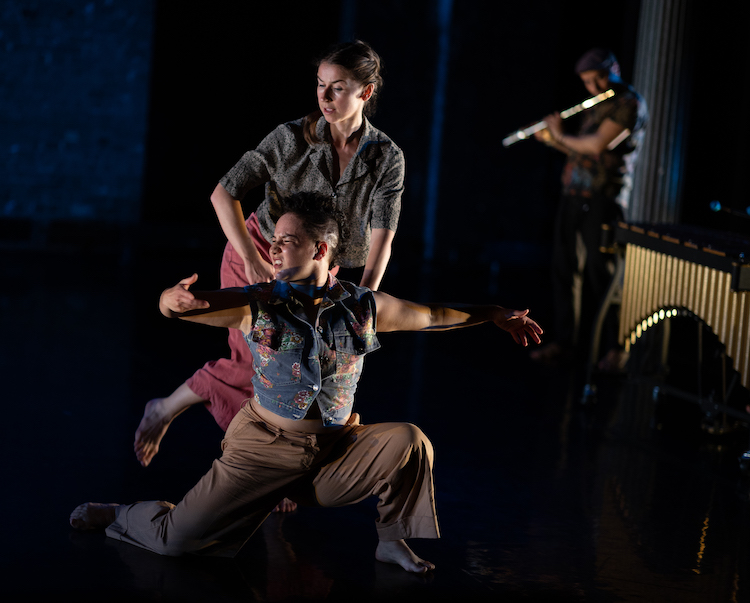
(226, 384)
(261, 464)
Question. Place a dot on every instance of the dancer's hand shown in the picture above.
(178, 299)
(519, 325)
(258, 271)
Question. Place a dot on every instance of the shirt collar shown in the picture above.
(322, 128)
(335, 292)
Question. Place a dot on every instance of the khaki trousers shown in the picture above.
(261, 464)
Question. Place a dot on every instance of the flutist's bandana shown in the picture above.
(596, 59)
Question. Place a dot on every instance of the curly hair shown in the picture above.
(321, 219)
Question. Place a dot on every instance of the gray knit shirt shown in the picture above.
(368, 193)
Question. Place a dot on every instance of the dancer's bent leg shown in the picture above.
(394, 462)
(227, 505)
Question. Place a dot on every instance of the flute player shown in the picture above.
(596, 184)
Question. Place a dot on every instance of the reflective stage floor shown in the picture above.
(540, 498)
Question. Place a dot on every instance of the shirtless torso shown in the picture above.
(312, 424)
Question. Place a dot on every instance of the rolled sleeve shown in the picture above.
(386, 207)
(257, 167)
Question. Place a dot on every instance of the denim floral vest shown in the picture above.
(296, 363)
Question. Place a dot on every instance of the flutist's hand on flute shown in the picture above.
(552, 134)
(554, 125)
(607, 136)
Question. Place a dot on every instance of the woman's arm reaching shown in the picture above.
(378, 258)
(229, 211)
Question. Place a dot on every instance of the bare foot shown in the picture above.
(151, 430)
(285, 506)
(397, 551)
(93, 516)
(613, 362)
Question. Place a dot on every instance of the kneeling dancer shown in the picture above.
(298, 437)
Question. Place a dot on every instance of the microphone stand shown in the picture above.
(717, 207)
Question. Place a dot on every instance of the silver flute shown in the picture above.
(540, 125)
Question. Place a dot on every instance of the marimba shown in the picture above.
(673, 268)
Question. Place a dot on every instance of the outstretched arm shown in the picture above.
(224, 308)
(394, 314)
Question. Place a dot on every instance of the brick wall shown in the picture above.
(74, 83)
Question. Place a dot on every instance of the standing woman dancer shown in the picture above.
(333, 151)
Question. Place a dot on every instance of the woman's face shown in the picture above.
(340, 97)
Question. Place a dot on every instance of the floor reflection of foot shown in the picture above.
(550, 353)
(285, 506)
(613, 362)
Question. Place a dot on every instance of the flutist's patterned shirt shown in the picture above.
(608, 174)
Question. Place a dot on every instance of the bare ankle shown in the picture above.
(156, 408)
(178, 401)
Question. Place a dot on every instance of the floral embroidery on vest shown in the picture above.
(364, 327)
(302, 399)
(290, 340)
(265, 356)
(264, 380)
(264, 330)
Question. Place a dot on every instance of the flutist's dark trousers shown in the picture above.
(581, 272)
